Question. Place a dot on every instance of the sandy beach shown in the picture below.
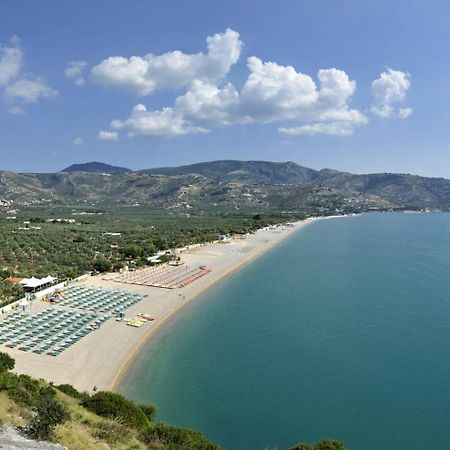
(101, 359)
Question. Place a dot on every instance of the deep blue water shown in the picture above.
(341, 331)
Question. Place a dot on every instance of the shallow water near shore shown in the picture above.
(342, 331)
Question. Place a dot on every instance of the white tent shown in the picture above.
(34, 283)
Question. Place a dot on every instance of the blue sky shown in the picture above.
(362, 86)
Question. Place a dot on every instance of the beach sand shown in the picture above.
(101, 359)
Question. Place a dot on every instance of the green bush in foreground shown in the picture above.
(23, 389)
(322, 445)
(168, 437)
(45, 416)
(115, 406)
(6, 362)
(149, 411)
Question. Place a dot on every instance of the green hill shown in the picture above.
(252, 172)
(96, 167)
(228, 185)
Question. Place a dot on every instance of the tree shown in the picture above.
(6, 362)
(9, 292)
(132, 251)
(118, 265)
(46, 415)
(102, 264)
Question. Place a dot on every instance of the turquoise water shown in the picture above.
(341, 331)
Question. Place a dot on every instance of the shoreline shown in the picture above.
(102, 359)
(121, 374)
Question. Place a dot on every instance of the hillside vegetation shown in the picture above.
(227, 185)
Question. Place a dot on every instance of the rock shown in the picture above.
(11, 439)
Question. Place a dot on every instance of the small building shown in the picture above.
(36, 284)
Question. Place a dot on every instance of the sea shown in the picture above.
(341, 331)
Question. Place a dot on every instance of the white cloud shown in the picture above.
(387, 91)
(74, 71)
(310, 105)
(163, 123)
(341, 129)
(201, 108)
(173, 70)
(274, 92)
(271, 93)
(336, 88)
(19, 89)
(404, 113)
(78, 141)
(29, 90)
(25, 91)
(108, 135)
(11, 58)
(208, 105)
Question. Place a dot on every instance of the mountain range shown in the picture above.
(227, 185)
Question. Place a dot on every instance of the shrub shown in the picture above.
(69, 390)
(149, 411)
(329, 445)
(6, 362)
(112, 432)
(115, 406)
(46, 415)
(322, 445)
(21, 388)
(176, 438)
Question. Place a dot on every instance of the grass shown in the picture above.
(87, 431)
(10, 412)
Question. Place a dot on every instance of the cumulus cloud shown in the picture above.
(74, 71)
(309, 104)
(19, 89)
(207, 105)
(108, 135)
(274, 92)
(163, 123)
(172, 70)
(78, 141)
(388, 90)
(271, 93)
